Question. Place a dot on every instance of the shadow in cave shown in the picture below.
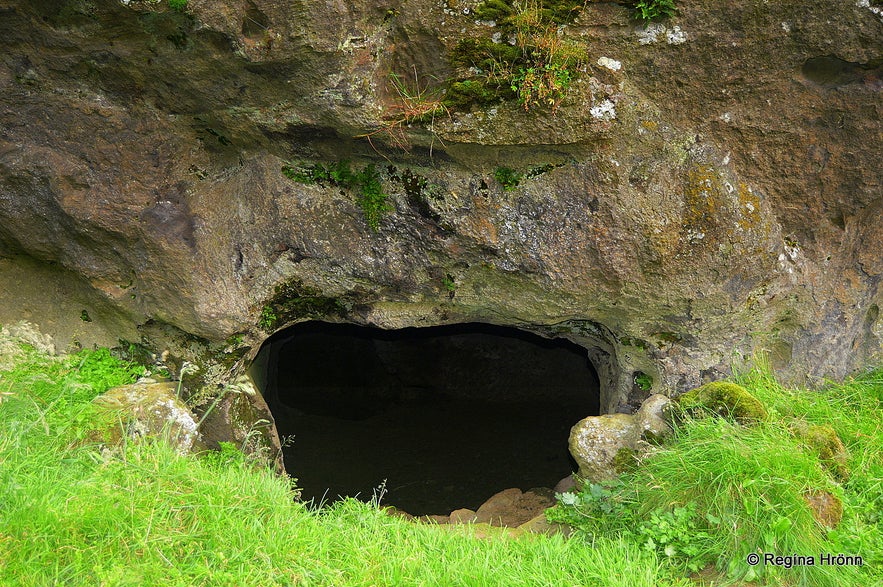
(447, 415)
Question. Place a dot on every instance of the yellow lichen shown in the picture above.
(749, 204)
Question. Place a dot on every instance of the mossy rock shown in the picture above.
(626, 460)
(825, 443)
(724, 399)
(826, 507)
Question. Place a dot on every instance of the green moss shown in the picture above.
(480, 92)
(293, 301)
(626, 460)
(547, 12)
(724, 399)
(365, 182)
(826, 444)
(643, 381)
(483, 54)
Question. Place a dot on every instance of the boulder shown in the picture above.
(826, 507)
(513, 508)
(826, 444)
(147, 410)
(605, 446)
(723, 399)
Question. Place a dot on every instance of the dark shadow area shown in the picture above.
(447, 415)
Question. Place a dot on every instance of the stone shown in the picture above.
(826, 444)
(608, 445)
(147, 410)
(596, 441)
(724, 399)
(462, 516)
(540, 525)
(512, 508)
(826, 507)
(395, 512)
(566, 484)
(652, 418)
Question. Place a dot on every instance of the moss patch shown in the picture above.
(626, 460)
(293, 300)
(825, 443)
(723, 399)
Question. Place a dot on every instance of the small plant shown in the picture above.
(370, 196)
(415, 104)
(178, 5)
(537, 68)
(647, 10)
(268, 319)
(507, 177)
(643, 381)
(677, 535)
(84, 316)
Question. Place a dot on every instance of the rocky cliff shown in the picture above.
(692, 192)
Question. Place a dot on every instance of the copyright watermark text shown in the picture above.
(798, 560)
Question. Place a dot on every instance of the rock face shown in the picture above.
(708, 187)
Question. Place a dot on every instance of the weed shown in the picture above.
(537, 68)
(85, 317)
(643, 381)
(371, 198)
(448, 283)
(717, 491)
(647, 10)
(678, 535)
(268, 319)
(178, 5)
(415, 104)
(366, 182)
(507, 177)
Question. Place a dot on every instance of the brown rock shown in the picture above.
(826, 507)
(462, 516)
(540, 525)
(512, 508)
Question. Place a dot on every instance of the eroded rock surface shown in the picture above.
(708, 188)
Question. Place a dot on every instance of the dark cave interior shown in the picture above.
(443, 416)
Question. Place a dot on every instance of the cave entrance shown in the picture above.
(446, 415)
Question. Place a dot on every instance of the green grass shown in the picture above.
(73, 514)
(719, 491)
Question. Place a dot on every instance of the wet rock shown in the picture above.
(512, 508)
(566, 484)
(462, 516)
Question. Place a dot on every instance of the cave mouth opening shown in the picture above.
(443, 417)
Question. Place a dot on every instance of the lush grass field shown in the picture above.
(74, 514)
